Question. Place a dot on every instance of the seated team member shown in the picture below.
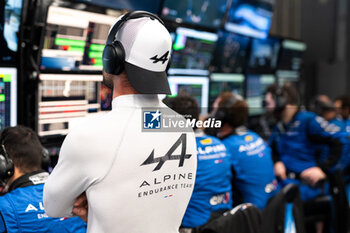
(212, 191)
(295, 141)
(21, 210)
(323, 107)
(253, 176)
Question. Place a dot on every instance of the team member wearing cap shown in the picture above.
(134, 181)
(21, 209)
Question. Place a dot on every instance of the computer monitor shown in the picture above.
(192, 52)
(285, 76)
(8, 97)
(74, 40)
(264, 56)
(197, 87)
(291, 55)
(225, 83)
(10, 21)
(65, 99)
(256, 86)
(130, 5)
(230, 54)
(250, 17)
(207, 13)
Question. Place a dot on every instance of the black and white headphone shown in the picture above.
(113, 57)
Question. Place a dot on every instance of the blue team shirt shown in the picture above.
(337, 126)
(22, 211)
(295, 149)
(344, 124)
(298, 153)
(254, 174)
(212, 190)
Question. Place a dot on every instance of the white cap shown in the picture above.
(147, 45)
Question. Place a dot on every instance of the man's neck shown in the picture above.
(122, 86)
(117, 93)
(225, 130)
(289, 113)
(17, 174)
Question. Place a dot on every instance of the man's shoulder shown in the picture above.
(231, 142)
(94, 127)
(5, 201)
(87, 124)
(7, 207)
(18, 195)
(306, 115)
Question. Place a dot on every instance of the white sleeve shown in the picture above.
(69, 179)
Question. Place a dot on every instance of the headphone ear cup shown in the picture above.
(45, 160)
(6, 167)
(113, 58)
(120, 57)
(220, 114)
(280, 103)
(10, 168)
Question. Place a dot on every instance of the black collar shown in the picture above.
(33, 178)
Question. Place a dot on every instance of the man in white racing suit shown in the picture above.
(137, 176)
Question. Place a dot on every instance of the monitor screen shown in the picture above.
(230, 53)
(74, 40)
(285, 76)
(192, 52)
(197, 87)
(67, 98)
(250, 17)
(131, 5)
(208, 13)
(8, 97)
(256, 86)
(263, 56)
(291, 55)
(10, 20)
(225, 83)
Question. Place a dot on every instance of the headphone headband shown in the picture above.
(126, 17)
